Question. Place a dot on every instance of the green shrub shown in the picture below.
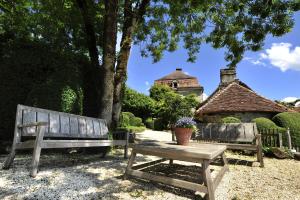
(135, 129)
(132, 129)
(128, 119)
(149, 122)
(292, 121)
(62, 92)
(33, 73)
(159, 124)
(137, 103)
(263, 123)
(230, 120)
(136, 121)
(124, 119)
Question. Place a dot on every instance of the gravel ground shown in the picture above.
(86, 176)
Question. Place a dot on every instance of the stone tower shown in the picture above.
(182, 83)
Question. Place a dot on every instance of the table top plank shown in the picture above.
(201, 151)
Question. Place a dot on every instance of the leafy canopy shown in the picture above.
(235, 25)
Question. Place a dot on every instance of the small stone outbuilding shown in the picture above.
(235, 98)
(182, 83)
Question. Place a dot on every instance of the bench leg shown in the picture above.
(259, 150)
(260, 158)
(9, 160)
(171, 162)
(208, 180)
(126, 146)
(37, 151)
(130, 163)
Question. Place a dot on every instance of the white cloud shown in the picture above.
(187, 73)
(205, 96)
(147, 83)
(297, 104)
(255, 61)
(289, 99)
(283, 56)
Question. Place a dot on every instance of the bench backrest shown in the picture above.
(231, 132)
(60, 124)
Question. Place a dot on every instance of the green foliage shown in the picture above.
(34, 74)
(230, 120)
(158, 92)
(59, 92)
(171, 106)
(160, 124)
(128, 119)
(265, 123)
(136, 121)
(149, 122)
(135, 129)
(125, 119)
(138, 104)
(292, 121)
(237, 26)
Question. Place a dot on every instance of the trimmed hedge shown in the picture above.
(128, 119)
(149, 122)
(159, 124)
(34, 74)
(265, 123)
(292, 121)
(230, 120)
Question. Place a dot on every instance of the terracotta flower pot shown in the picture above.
(183, 135)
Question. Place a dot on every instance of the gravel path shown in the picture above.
(86, 176)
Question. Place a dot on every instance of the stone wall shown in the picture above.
(243, 116)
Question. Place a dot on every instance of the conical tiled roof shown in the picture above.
(238, 97)
(178, 74)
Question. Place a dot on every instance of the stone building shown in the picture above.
(235, 98)
(182, 83)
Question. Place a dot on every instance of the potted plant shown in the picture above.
(183, 130)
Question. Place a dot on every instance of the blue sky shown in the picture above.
(273, 72)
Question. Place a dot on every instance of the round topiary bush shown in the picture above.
(230, 120)
(149, 122)
(263, 123)
(292, 121)
(136, 121)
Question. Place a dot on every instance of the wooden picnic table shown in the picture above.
(202, 153)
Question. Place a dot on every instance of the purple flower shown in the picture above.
(185, 122)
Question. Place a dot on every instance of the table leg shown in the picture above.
(130, 163)
(208, 182)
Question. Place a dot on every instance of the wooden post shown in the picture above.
(37, 150)
(289, 138)
(259, 150)
(280, 139)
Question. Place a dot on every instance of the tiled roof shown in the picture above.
(178, 74)
(238, 97)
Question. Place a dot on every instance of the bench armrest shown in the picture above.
(33, 124)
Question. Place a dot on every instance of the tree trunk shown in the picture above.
(109, 58)
(90, 72)
(121, 69)
(131, 18)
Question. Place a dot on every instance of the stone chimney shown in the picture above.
(178, 69)
(227, 76)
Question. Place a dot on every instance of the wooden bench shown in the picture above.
(44, 129)
(236, 136)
